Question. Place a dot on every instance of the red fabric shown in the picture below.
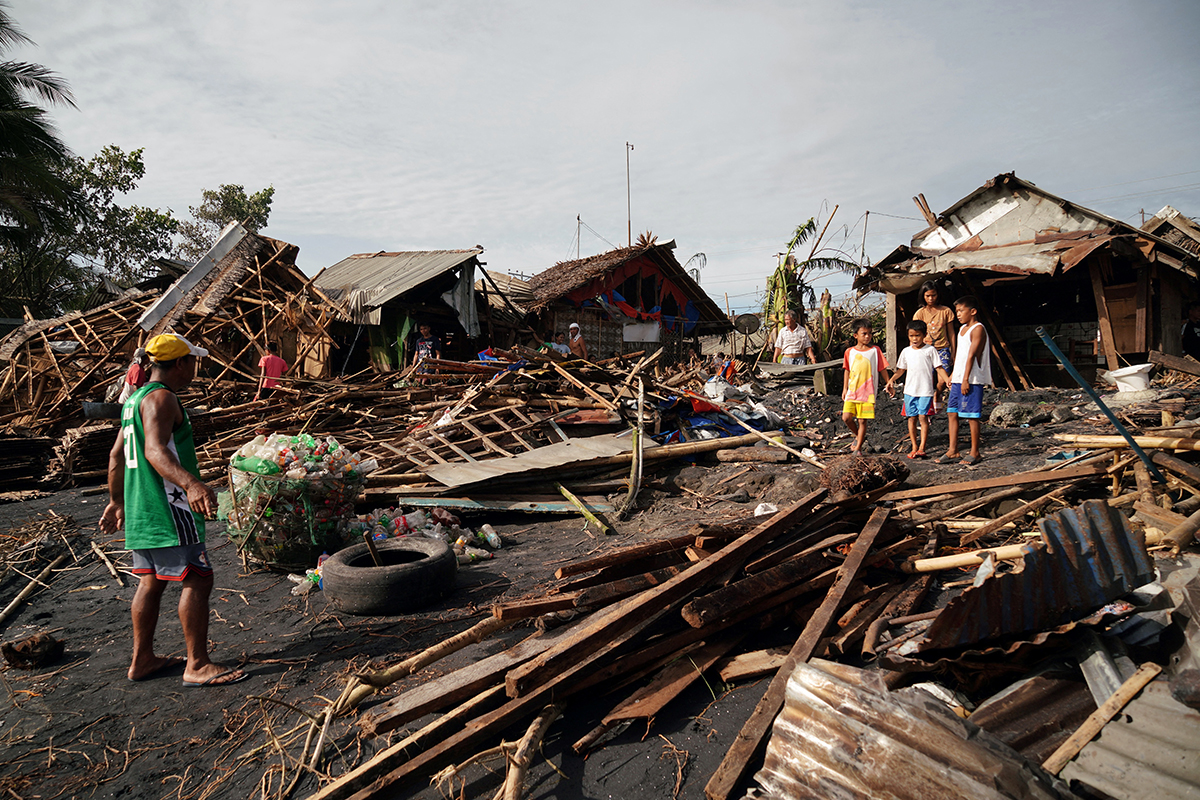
(273, 367)
(136, 376)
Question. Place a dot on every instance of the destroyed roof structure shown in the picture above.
(1017, 247)
(244, 292)
(630, 298)
(1171, 226)
(389, 294)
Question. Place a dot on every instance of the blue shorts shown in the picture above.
(968, 407)
(917, 406)
(944, 356)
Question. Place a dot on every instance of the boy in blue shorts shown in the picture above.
(972, 371)
(923, 364)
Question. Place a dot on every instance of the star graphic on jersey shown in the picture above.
(177, 495)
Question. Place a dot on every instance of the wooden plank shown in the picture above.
(625, 555)
(671, 682)
(1187, 366)
(523, 609)
(1106, 331)
(1018, 479)
(752, 591)
(1143, 314)
(754, 664)
(1101, 717)
(451, 688)
(572, 677)
(1012, 516)
(734, 766)
(396, 754)
(589, 391)
(624, 616)
(623, 587)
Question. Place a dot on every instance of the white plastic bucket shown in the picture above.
(1131, 379)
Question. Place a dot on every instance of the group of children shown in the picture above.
(933, 359)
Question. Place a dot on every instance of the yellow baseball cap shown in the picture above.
(170, 346)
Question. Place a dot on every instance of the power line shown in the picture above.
(1143, 194)
(1139, 180)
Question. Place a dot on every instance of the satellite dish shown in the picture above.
(747, 323)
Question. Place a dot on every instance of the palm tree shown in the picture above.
(34, 193)
(789, 287)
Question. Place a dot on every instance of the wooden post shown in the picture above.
(1106, 331)
(728, 776)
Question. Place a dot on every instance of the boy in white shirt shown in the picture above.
(923, 363)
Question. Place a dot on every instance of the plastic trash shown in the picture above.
(488, 534)
(765, 509)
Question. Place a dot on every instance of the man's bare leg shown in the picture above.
(193, 614)
(146, 603)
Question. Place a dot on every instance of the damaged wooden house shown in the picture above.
(388, 295)
(1107, 291)
(244, 292)
(627, 300)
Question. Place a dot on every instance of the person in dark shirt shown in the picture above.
(1191, 330)
(428, 345)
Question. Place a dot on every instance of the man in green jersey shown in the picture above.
(156, 494)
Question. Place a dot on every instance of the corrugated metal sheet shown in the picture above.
(1088, 556)
(381, 277)
(1151, 749)
(842, 734)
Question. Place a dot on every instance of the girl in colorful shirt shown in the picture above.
(861, 364)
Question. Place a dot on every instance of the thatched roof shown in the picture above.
(566, 277)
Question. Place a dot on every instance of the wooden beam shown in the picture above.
(1106, 331)
(1005, 480)
(733, 768)
(1188, 366)
(621, 618)
(1143, 332)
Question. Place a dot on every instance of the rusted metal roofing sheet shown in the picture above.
(842, 734)
(381, 277)
(1151, 749)
(1087, 557)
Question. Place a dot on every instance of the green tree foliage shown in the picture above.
(790, 287)
(52, 270)
(230, 203)
(115, 240)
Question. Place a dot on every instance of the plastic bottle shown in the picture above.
(488, 534)
(415, 520)
(473, 554)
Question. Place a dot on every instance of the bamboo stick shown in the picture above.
(31, 587)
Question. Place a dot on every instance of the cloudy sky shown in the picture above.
(434, 125)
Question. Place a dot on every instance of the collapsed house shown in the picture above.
(244, 292)
(628, 299)
(1104, 289)
(388, 295)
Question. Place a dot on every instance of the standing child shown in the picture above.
(939, 321)
(922, 363)
(972, 371)
(861, 364)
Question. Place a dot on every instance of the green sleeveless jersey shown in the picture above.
(157, 513)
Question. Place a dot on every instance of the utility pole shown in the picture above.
(628, 207)
(578, 230)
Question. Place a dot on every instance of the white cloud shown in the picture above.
(414, 125)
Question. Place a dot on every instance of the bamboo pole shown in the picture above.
(31, 587)
(1100, 717)
(1151, 442)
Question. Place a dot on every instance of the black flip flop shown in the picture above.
(210, 682)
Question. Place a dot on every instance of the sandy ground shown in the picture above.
(79, 728)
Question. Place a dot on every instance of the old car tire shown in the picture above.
(415, 573)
